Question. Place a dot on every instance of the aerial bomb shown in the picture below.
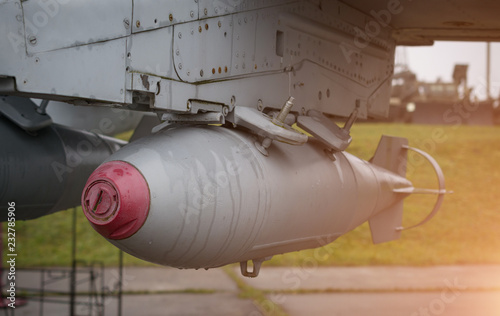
(44, 171)
(203, 197)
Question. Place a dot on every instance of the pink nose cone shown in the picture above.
(116, 200)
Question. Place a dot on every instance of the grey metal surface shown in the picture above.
(440, 192)
(99, 120)
(325, 130)
(46, 172)
(193, 65)
(24, 113)
(52, 25)
(264, 126)
(215, 199)
(141, 58)
(391, 154)
(422, 22)
(234, 53)
(145, 127)
(153, 14)
(325, 54)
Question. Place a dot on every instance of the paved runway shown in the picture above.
(373, 291)
(394, 304)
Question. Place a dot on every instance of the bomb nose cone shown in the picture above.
(116, 200)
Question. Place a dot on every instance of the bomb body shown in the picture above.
(214, 199)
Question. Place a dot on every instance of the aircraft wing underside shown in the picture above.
(420, 22)
(184, 57)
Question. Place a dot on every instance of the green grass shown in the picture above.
(465, 231)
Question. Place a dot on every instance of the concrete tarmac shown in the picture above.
(357, 291)
(384, 291)
(394, 304)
